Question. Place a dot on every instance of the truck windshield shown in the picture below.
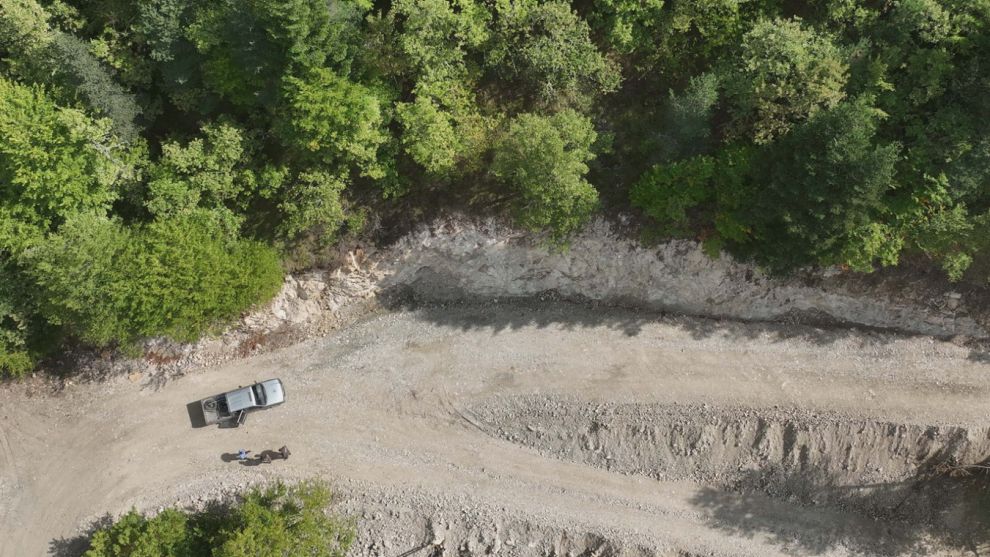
(259, 395)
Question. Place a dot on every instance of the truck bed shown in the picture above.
(214, 409)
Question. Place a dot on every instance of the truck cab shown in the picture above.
(260, 395)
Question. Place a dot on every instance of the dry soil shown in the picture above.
(542, 428)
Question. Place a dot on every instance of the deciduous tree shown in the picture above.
(544, 161)
(54, 161)
(786, 73)
(329, 119)
(825, 185)
(545, 50)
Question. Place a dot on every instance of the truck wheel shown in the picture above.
(210, 405)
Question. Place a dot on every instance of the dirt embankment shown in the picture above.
(458, 260)
(882, 469)
(719, 446)
(462, 259)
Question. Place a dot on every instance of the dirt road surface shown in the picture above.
(539, 429)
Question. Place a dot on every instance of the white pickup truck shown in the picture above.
(230, 409)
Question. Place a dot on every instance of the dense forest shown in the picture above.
(163, 161)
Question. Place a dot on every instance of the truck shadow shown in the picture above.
(196, 418)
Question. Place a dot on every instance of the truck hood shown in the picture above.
(274, 394)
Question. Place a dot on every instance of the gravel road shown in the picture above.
(542, 429)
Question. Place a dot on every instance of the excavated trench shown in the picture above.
(909, 474)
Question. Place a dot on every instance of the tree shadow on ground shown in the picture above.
(76, 546)
(550, 309)
(935, 510)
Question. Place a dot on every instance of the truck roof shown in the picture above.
(240, 399)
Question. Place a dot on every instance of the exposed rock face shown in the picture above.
(314, 297)
(455, 260)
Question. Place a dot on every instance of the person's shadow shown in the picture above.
(252, 460)
(235, 457)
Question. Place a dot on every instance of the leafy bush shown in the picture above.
(107, 283)
(312, 203)
(15, 358)
(666, 192)
(277, 521)
(169, 534)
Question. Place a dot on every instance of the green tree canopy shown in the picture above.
(437, 37)
(628, 25)
(211, 171)
(545, 50)
(25, 37)
(544, 160)
(250, 46)
(54, 161)
(687, 120)
(331, 120)
(786, 72)
(825, 184)
(37, 52)
(106, 283)
(443, 129)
